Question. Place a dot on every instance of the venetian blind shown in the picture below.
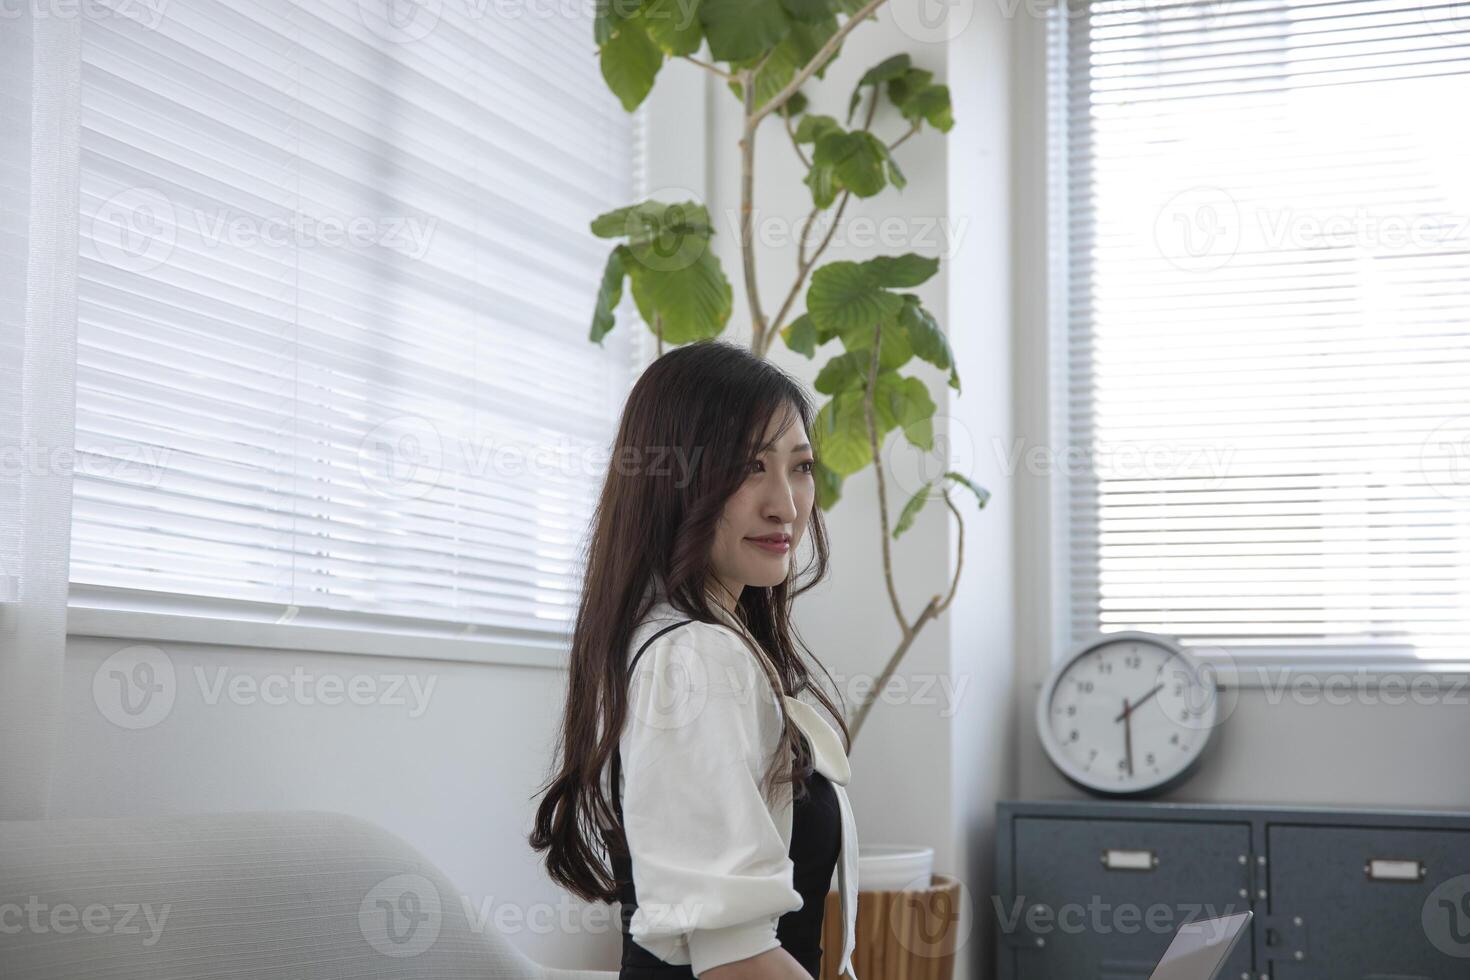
(336, 286)
(1263, 210)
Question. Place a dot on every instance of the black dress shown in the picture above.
(816, 842)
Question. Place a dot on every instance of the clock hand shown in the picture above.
(1128, 734)
(1127, 710)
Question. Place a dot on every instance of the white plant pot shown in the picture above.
(894, 867)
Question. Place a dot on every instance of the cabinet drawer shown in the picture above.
(1113, 892)
(1362, 895)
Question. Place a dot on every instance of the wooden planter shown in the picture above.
(907, 935)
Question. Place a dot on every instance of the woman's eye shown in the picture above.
(810, 464)
(753, 465)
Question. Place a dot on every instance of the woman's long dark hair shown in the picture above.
(690, 430)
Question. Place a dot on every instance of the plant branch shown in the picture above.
(868, 393)
(959, 562)
(810, 68)
(747, 205)
(804, 265)
(899, 142)
(709, 67)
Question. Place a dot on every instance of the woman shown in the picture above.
(719, 794)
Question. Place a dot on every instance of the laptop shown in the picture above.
(1200, 948)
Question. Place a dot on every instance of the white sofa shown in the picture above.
(298, 895)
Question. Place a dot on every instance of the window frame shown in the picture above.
(1038, 281)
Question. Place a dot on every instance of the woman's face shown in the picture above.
(775, 500)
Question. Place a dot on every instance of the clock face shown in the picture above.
(1127, 714)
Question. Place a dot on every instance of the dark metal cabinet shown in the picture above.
(1095, 890)
(1353, 901)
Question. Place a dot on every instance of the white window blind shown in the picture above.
(1263, 357)
(336, 286)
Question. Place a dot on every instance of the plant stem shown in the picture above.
(747, 204)
(709, 67)
(810, 68)
(869, 392)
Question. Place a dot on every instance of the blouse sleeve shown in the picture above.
(709, 864)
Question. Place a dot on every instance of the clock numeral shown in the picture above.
(1071, 710)
(1085, 687)
(1104, 667)
(1074, 736)
(1174, 739)
(1133, 661)
(1149, 758)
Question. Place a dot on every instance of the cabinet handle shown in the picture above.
(1391, 869)
(1115, 859)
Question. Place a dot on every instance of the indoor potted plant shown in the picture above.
(765, 51)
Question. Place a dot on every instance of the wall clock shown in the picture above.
(1127, 714)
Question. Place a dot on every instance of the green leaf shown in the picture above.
(841, 435)
(850, 369)
(901, 271)
(829, 486)
(801, 335)
(792, 54)
(651, 221)
(809, 10)
(883, 71)
(610, 13)
(981, 494)
(795, 105)
(609, 294)
(738, 30)
(907, 83)
(932, 105)
(676, 277)
(928, 341)
(673, 25)
(895, 176)
(813, 127)
(693, 301)
(630, 62)
(904, 403)
(844, 297)
(855, 161)
(911, 509)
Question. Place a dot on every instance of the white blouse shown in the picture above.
(710, 853)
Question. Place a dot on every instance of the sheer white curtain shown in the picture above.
(39, 84)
